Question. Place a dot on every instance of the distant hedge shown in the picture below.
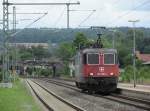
(142, 74)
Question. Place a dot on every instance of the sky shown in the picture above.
(109, 13)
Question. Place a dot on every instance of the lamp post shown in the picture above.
(134, 49)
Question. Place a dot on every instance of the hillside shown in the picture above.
(43, 35)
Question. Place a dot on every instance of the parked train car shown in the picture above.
(96, 69)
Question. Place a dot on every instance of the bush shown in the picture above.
(46, 72)
(127, 75)
(66, 70)
(142, 74)
(29, 70)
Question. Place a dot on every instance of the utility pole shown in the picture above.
(14, 19)
(134, 49)
(68, 15)
(6, 36)
(15, 56)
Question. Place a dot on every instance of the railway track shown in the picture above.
(50, 100)
(139, 103)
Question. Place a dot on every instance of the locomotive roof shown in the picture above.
(88, 50)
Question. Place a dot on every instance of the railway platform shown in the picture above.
(138, 88)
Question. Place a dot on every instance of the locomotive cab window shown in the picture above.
(109, 58)
(93, 58)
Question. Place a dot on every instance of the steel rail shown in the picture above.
(41, 100)
(139, 103)
(59, 98)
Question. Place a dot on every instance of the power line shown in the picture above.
(125, 14)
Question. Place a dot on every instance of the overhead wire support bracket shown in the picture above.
(31, 13)
(77, 3)
(83, 10)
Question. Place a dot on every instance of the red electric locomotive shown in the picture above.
(96, 69)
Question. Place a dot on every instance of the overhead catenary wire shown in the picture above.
(29, 13)
(127, 13)
(86, 26)
(24, 19)
(61, 15)
(82, 10)
(86, 18)
(116, 2)
(59, 18)
(12, 35)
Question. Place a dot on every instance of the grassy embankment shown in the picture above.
(17, 99)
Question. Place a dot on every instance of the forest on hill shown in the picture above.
(43, 35)
(122, 35)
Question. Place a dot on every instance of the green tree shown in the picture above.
(29, 70)
(45, 72)
(127, 76)
(34, 52)
(25, 54)
(66, 51)
(80, 40)
(40, 52)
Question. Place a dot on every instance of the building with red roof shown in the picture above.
(145, 58)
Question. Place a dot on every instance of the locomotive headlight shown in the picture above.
(111, 73)
(91, 74)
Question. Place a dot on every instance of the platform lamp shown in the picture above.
(134, 49)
